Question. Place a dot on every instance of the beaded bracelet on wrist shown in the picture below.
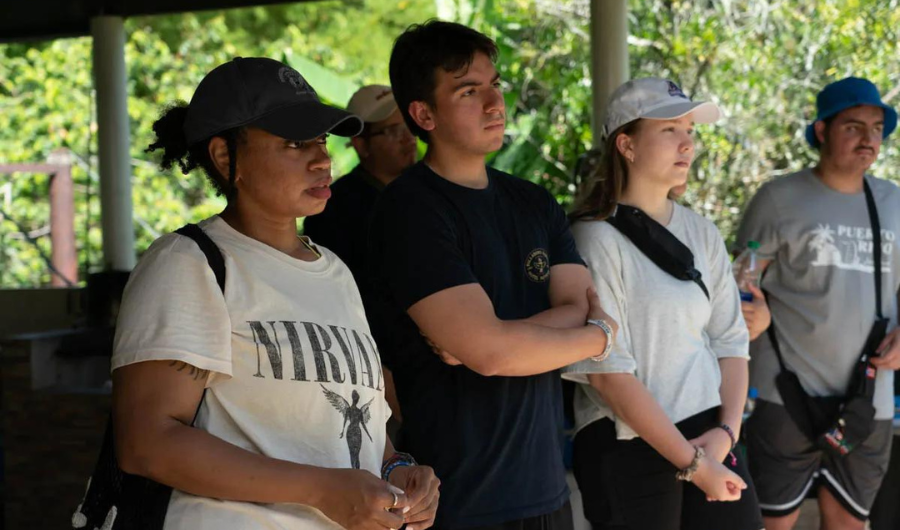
(398, 459)
(687, 474)
(727, 429)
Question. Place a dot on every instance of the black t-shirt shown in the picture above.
(495, 442)
(343, 225)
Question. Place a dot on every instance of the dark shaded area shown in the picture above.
(50, 19)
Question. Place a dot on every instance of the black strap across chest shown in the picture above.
(657, 243)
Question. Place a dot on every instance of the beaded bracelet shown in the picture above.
(727, 429)
(398, 459)
(730, 433)
(687, 474)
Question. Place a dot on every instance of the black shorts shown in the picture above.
(785, 464)
(626, 484)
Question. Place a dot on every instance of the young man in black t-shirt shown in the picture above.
(483, 265)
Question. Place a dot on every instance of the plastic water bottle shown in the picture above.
(752, 394)
(746, 270)
(896, 410)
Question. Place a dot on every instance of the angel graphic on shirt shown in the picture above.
(355, 420)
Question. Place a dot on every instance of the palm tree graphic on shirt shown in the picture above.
(823, 244)
(355, 420)
(847, 256)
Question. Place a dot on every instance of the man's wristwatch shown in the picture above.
(600, 323)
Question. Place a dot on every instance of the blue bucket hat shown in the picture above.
(847, 93)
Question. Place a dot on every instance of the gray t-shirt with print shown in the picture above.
(820, 286)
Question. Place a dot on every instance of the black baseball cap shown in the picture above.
(264, 93)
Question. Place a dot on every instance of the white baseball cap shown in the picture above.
(372, 103)
(654, 98)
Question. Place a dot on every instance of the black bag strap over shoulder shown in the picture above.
(213, 255)
(657, 243)
(117, 500)
(876, 241)
(216, 262)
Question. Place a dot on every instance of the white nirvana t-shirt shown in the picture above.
(295, 374)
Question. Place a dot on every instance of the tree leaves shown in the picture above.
(46, 102)
(762, 61)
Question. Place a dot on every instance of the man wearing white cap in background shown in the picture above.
(385, 148)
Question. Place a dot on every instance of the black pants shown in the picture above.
(885, 514)
(561, 519)
(626, 484)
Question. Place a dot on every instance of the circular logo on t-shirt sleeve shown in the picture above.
(537, 265)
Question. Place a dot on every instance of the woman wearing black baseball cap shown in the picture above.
(278, 365)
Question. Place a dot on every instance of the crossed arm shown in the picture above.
(462, 321)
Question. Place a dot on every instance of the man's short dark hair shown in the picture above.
(818, 145)
(421, 50)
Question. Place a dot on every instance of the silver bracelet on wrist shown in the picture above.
(600, 323)
(687, 474)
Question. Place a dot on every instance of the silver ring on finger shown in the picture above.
(396, 500)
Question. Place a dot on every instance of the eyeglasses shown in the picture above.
(396, 132)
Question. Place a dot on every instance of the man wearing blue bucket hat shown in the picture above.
(829, 328)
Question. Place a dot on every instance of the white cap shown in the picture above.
(654, 98)
(372, 103)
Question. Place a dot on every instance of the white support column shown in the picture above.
(609, 55)
(114, 141)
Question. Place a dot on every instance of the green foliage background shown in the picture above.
(762, 61)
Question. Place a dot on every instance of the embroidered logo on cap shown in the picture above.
(293, 77)
(675, 91)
